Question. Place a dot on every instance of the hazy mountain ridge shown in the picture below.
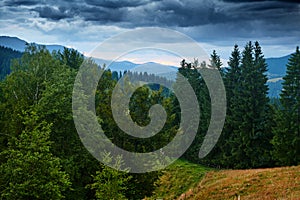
(20, 45)
(151, 67)
(276, 71)
(276, 66)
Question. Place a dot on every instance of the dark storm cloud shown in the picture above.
(102, 15)
(208, 19)
(270, 15)
(239, 1)
(14, 3)
(183, 14)
(277, 8)
(165, 13)
(117, 3)
(54, 13)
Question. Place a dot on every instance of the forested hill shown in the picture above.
(20, 45)
(42, 156)
(277, 66)
(6, 55)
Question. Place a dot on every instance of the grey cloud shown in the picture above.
(189, 13)
(53, 13)
(117, 3)
(265, 8)
(284, 1)
(202, 19)
(102, 15)
(268, 16)
(20, 2)
(167, 13)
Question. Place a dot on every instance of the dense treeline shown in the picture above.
(6, 55)
(258, 132)
(42, 156)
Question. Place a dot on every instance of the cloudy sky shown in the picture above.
(215, 24)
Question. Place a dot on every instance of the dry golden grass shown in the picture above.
(255, 184)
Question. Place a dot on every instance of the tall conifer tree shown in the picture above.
(250, 141)
(286, 139)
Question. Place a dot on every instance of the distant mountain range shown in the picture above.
(158, 69)
(151, 68)
(19, 45)
(276, 66)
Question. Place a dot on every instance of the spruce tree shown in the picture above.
(191, 73)
(286, 139)
(250, 141)
(233, 116)
(215, 156)
(215, 60)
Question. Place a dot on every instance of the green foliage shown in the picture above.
(190, 72)
(232, 83)
(215, 62)
(250, 136)
(71, 58)
(30, 170)
(245, 140)
(40, 82)
(6, 55)
(42, 154)
(111, 183)
(286, 140)
(23, 88)
(142, 99)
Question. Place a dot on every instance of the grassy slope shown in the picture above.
(184, 180)
(177, 179)
(275, 183)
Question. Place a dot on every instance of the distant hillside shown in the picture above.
(19, 45)
(13, 43)
(277, 66)
(277, 69)
(6, 55)
(115, 66)
(166, 71)
(275, 87)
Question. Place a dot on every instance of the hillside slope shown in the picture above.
(264, 184)
(177, 179)
(184, 180)
(277, 66)
(19, 44)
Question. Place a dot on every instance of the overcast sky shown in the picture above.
(216, 24)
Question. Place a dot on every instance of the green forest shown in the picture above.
(42, 156)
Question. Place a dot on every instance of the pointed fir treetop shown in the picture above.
(234, 60)
(215, 60)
